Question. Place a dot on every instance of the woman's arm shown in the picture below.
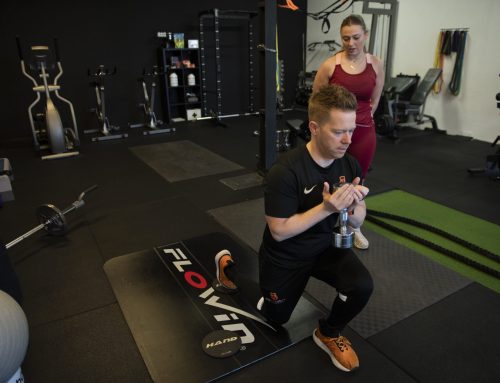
(324, 73)
(379, 85)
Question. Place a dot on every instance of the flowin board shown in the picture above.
(169, 303)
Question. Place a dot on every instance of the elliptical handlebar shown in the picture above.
(56, 49)
(21, 59)
(19, 50)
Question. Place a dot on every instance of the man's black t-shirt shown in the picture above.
(294, 185)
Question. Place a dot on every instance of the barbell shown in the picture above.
(52, 219)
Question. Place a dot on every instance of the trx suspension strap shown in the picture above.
(321, 15)
(438, 63)
(456, 77)
(371, 214)
(446, 44)
(290, 5)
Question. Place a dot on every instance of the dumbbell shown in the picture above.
(343, 236)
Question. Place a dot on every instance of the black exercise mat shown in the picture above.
(455, 340)
(405, 281)
(245, 220)
(166, 297)
(182, 160)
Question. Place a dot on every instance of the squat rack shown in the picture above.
(218, 15)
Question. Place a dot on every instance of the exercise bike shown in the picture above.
(105, 130)
(49, 134)
(151, 124)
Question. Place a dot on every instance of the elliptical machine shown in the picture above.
(105, 130)
(47, 128)
(151, 124)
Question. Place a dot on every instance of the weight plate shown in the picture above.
(384, 125)
(52, 219)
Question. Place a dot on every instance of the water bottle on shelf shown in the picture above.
(174, 80)
(170, 40)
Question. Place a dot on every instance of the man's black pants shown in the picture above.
(340, 268)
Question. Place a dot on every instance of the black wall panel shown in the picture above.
(122, 34)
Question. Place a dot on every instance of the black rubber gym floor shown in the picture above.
(78, 332)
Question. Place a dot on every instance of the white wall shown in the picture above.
(473, 112)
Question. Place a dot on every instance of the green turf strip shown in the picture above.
(469, 228)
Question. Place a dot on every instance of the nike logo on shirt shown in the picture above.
(307, 191)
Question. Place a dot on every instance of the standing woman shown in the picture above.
(363, 75)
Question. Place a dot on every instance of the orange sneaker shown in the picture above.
(339, 349)
(222, 260)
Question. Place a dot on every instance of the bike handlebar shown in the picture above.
(101, 71)
(154, 72)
